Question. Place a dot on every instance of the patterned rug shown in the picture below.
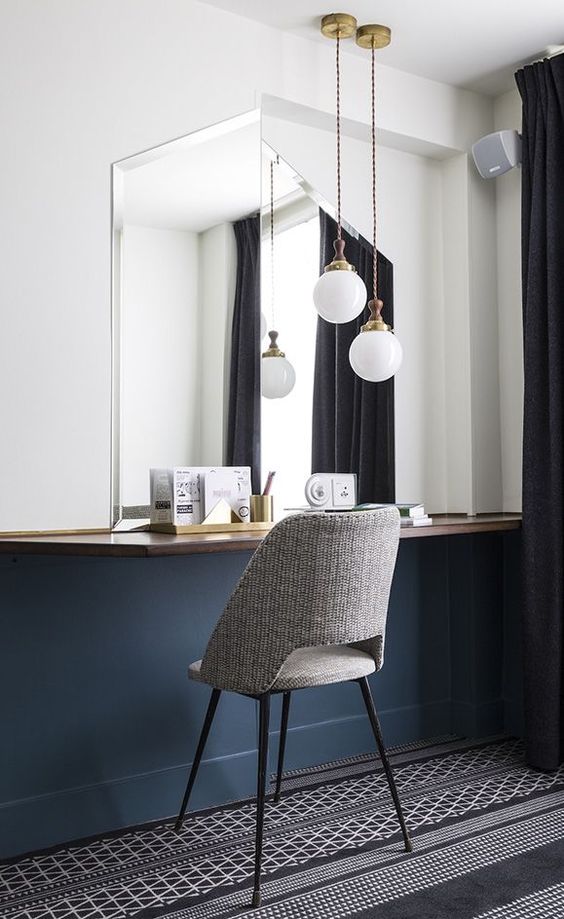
(488, 844)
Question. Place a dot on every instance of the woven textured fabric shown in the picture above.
(316, 667)
(316, 579)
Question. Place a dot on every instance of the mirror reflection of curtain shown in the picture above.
(243, 426)
(353, 421)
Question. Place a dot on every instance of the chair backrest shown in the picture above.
(317, 579)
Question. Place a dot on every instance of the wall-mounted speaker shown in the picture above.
(497, 153)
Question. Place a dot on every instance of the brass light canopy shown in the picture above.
(338, 25)
(373, 36)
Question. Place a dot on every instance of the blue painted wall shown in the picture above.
(99, 722)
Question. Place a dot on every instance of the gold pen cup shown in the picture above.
(262, 508)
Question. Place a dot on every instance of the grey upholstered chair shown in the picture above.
(309, 610)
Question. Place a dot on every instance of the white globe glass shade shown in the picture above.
(277, 378)
(339, 296)
(375, 356)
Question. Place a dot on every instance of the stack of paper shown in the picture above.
(413, 515)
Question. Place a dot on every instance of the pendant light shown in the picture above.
(277, 374)
(339, 295)
(375, 354)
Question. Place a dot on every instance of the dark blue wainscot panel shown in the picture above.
(99, 722)
(98, 718)
(484, 600)
(514, 722)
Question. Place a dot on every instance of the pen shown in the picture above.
(269, 479)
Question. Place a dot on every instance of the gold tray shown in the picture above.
(259, 527)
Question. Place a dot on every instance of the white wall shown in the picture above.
(160, 354)
(457, 351)
(89, 84)
(484, 352)
(409, 217)
(508, 198)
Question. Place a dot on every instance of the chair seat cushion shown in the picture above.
(315, 667)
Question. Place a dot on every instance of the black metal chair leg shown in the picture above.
(199, 751)
(282, 744)
(375, 723)
(264, 701)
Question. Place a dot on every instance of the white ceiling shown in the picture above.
(476, 44)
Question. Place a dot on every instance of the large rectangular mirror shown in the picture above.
(174, 258)
(200, 276)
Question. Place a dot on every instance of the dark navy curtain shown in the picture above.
(243, 427)
(353, 421)
(542, 91)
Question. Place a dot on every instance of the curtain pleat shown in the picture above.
(541, 87)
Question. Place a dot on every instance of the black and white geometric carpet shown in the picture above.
(488, 839)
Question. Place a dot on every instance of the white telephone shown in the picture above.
(331, 491)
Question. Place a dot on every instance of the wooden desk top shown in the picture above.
(151, 545)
